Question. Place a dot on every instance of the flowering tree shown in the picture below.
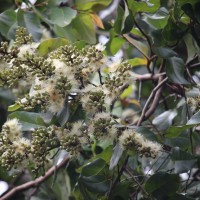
(86, 120)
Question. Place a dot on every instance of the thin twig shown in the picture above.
(135, 179)
(36, 182)
(156, 94)
(100, 77)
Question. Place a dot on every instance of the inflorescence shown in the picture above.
(64, 75)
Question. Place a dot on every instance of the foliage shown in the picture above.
(125, 128)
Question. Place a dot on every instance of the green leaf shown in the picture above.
(95, 5)
(115, 44)
(190, 43)
(182, 166)
(174, 131)
(49, 45)
(83, 28)
(172, 32)
(117, 153)
(29, 120)
(96, 184)
(164, 120)
(62, 16)
(178, 154)
(8, 24)
(141, 47)
(137, 61)
(195, 119)
(164, 52)
(159, 19)
(175, 70)
(63, 115)
(162, 185)
(14, 107)
(93, 168)
(143, 6)
(123, 22)
(30, 21)
(188, 9)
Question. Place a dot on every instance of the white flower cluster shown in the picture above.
(131, 140)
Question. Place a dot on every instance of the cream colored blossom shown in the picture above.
(12, 128)
(27, 48)
(132, 140)
(21, 145)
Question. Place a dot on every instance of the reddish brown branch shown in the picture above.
(36, 182)
(156, 93)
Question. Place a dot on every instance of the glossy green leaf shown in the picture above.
(175, 70)
(49, 45)
(159, 19)
(115, 44)
(96, 184)
(174, 131)
(62, 16)
(95, 5)
(8, 24)
(164, 52)
(117, 153)
(172, 32)
(195, 119)
(144, 6)
(188, 10)
(164, 120)
(162, 185)
(93, 168)
(14, 107)
(29, 120)
(141, 47)
(124, 20)
(190, 43)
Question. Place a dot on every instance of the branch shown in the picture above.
(156, 92)
(144, 77)
(36, 182)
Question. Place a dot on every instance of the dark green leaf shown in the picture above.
(162, 185)
(96, 184)
(175, 70)
(182, 166)
(164, 52)
(93, 168)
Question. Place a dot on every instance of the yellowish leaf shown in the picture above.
(97, 20)
(137, 61)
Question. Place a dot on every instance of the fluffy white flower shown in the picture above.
(133, 140)
(13, 129)
(30, 48)
(21, 145)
